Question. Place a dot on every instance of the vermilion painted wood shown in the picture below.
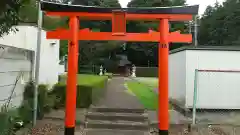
(119, 23)
(163, 75)
(70, 112)
(108, 16)
(164, 37)
(152, 36)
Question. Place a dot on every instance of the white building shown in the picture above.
(17, 53)
(218, 82)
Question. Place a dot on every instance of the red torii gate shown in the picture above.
(119, 16)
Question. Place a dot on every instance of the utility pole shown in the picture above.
(190, 27)
(196, 31)
(37, 64)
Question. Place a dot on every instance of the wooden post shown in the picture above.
(71, 92)
(163, 77)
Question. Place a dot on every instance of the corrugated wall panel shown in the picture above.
(15, 72)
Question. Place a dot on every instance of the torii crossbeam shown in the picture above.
(119, 16)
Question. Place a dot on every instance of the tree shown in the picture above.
(220, 24)
(9, 14)
(148, 52)
(91, 50)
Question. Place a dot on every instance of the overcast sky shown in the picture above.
(203, 3)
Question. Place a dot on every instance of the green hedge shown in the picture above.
(86, 95)
(147, 71)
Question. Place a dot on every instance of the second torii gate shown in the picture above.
(119, 16)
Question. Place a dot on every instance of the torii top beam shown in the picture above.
(177, 13)
(119, 16)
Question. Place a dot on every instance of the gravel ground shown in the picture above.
(49, 127)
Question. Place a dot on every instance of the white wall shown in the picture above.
(49, 62)
(26, 38)
(215, 90)
(177, 76)
(18, 39)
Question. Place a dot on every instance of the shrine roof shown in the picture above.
(54, 7)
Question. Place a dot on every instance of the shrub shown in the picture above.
(10, 118)
(45, 100)
(26, 109)
(7, 119)
(86, 95)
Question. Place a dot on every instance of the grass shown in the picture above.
(145, 94)
(150, 81)
(85, 79)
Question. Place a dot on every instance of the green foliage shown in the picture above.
(13, 12)
(9, 117)
(45, 101)
(91, 50)
(9, 14)
(24, 113)
(89, 92)
(5, 127)
(29, 14)
(59, 91)
(86, 94)
(26, 109)
(85, 79)
(8, 120)
(219, 24)
(148, 52)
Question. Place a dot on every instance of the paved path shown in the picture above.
(118, 97)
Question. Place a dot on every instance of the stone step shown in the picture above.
(120, 125)
(114, 132)
(116, 110)
(117, 116)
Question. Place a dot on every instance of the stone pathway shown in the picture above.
(118, 97)
(118, 113)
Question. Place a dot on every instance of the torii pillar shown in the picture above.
(70, 113)
(163, 53)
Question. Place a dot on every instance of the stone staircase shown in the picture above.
(116, 121)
